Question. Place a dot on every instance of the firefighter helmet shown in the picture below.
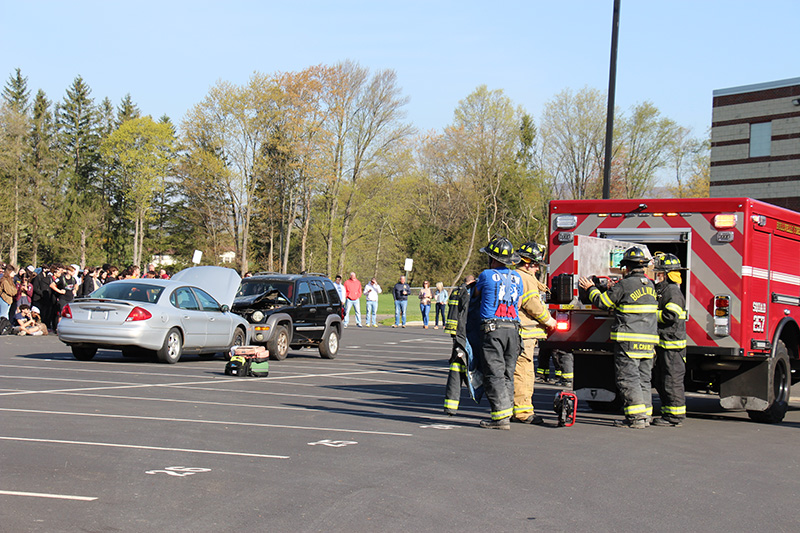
(501, 250)
(531, 250)
(667, 262)
(634, 256)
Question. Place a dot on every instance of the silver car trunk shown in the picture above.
(106, 312)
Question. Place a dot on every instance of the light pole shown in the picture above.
(612, 83)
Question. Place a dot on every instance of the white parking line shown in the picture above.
(43, 495)
(211, 422)
(138, 447)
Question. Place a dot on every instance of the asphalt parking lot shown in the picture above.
(358, 443)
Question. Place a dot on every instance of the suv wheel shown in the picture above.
(329, 346)
(278, 344)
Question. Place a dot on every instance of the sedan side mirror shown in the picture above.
(224, 308)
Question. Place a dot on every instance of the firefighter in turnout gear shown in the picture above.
(464, 326)
(498, 291)
(635, 304)
(670, 364)
(534, 319)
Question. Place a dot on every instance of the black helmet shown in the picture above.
(634, 256)
(502, 250)
(667, 262)
(531, 250)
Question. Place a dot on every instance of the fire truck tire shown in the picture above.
(606, 407)
(781, 383)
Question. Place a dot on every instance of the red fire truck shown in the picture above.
(742, 291)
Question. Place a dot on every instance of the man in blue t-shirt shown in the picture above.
(499, 290)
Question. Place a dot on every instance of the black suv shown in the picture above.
(291, 310)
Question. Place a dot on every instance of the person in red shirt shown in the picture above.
(352, 289)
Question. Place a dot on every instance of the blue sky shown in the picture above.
(167, 54)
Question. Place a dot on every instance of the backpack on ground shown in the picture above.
(5, 326)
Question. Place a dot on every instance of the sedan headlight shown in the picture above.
(258, 316)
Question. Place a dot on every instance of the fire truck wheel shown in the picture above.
(781, 384)
(606, 407)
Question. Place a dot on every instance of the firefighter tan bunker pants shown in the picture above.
(523, 380)
(669, 373)
(500, 352)
(633, 381)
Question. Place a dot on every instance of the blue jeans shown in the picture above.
(425, 310)
(372, 312)
(400, 311)
(347, 306)
(4, 308)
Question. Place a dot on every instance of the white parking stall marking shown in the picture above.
(141, 447)
(179, 471)
(44, 495)
(211, 422)
(333, 443)
(439, 426)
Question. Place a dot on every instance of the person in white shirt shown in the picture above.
(337, 282)
(371, 291)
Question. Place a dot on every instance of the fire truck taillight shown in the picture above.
(725, 221)
(722, 319)
(562, 321)
(566, 221)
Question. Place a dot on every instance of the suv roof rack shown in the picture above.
(314, 274)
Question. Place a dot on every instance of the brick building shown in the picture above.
(755, 142)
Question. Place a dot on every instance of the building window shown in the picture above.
(760, 139)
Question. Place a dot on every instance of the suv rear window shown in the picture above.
(319, 292)
(333, 294)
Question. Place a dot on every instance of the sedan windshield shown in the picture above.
(272, 290)
(121, 290)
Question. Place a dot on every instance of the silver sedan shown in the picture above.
(168, 317)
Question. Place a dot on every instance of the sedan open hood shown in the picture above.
(220, 282)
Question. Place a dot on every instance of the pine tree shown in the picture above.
(16, 92)
(127, 110)
(44, 189)
(79, 126)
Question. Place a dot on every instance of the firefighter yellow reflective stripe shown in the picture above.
(636, 409)
(499, 415)
(640, 355)
(638, 308)
(543, 317)
(528, 295)
(633, 337)
(677, 410)
(649, 410)
(604, 299)
(451, 326)
(532, 333)
(677, 309)
(542, 371)
(567, 375)
(457, 367)
(450, 404)
(672, 345)
(523, 409)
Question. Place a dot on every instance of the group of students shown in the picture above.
(32, 298)
(350, 293)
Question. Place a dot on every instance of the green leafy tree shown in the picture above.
(139, 154)
(573, 135)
